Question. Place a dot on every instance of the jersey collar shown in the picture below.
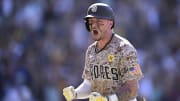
(97, 50)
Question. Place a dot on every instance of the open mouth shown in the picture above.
(95, 32)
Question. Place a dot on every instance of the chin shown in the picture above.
(96, 39)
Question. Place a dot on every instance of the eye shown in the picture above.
(100, 22)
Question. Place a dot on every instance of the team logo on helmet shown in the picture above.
(94, 8)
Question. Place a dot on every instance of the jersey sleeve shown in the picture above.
(129, 67)
(87, 72)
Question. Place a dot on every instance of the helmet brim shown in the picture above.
(88, 16)
(99, 17)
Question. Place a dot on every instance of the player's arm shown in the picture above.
(128, 90)
(81, 92)
(130, 75)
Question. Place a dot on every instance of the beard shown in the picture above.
(96, 35)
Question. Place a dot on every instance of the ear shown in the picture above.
(111, 23)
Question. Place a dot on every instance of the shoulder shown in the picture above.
(122, 41)
(123, 44)
(91, 48)
(93, 45)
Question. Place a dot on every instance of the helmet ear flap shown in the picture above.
(87, 25)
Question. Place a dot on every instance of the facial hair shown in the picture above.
(97, 34)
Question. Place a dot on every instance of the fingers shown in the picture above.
(96, 97)
(68, 93)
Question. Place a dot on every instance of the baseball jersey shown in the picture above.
(107, 69)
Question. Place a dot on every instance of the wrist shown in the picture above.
(112, 97)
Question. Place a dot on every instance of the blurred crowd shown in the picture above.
(43, 44)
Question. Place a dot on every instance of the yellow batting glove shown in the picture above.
(69, 93)
(94, 96)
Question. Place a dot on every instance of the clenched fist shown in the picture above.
(94, 96)
(69, 93)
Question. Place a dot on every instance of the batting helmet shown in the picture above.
(101, 11)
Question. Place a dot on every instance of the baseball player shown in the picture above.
(111, 71)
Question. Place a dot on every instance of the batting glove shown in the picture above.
(94, 96)
(69, 93)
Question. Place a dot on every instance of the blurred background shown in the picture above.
(43, 44)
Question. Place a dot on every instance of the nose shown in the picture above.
(93, 25)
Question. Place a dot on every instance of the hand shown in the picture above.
(69, 93)
(94, 96)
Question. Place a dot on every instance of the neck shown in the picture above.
(101, 44)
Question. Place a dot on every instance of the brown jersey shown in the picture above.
(110, 67)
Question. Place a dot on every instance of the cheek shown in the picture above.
(102, 27)
(109, 26)
(106, 25)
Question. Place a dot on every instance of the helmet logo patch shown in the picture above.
(94, 8)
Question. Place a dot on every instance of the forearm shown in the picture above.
(128, 90)
(83, 90)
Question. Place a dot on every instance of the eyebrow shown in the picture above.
(100, 20)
